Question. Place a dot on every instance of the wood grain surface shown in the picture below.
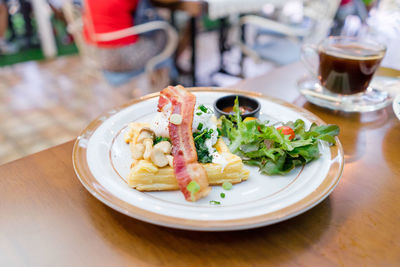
(47, 218)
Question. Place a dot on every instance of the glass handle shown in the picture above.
(307, 51)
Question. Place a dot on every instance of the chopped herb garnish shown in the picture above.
(227, 186)
(200, 126)
(203, 108)
(219, 132)
(159, 139)
(215, 202)
(193, 187)
(197, 136)
(222, 195)
(203, 155)
(198, 113)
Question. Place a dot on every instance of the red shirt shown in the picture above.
(103, 16)
(345, 2)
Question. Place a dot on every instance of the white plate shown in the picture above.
(101, 158)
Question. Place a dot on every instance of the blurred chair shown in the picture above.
(73, 14)
(285, 39)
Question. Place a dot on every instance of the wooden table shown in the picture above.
(49, 219)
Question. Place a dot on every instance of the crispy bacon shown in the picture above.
(162, 102)
(186, 166)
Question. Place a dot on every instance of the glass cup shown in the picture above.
(346, 64)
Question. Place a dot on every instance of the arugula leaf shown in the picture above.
(226, 127)
(236, 117)
(274, 167)
(308, 153)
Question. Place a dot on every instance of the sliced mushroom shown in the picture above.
(145, 133)
(158, 158)
(164, 146)
(148, 144)
(137, 151)
(170, 160)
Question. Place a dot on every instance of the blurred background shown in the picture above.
(63, 63)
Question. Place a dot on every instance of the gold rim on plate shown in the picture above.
(97, 190)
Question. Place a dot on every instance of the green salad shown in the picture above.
(274, 150)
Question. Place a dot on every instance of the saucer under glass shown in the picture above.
(372, 99)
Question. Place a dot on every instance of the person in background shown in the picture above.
(351, 15)
(370, 4)
(122, 55)
(345, 9)
(5, 48)
(56, 8)
(11, 29)
(27, 13)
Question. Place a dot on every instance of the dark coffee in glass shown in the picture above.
(347, 65)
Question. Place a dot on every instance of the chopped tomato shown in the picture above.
(287, 131)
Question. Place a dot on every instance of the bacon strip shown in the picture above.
(186, 166)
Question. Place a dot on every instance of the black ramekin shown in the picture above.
(229, 100)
